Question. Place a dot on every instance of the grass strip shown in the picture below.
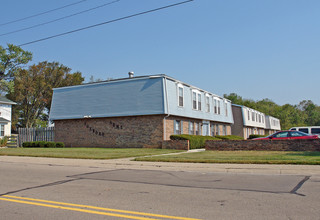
(84, 153)
(241, 157)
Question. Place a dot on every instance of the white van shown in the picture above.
(308, 130)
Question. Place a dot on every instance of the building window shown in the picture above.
(219, 103)
(224, 130)
(2, 130)
(177, 127)
(217, 130)
(208, 103)
(198, 128)
(191, 128)
(180, 96)
(199, 101)
(215, 108)
(194, 100)
(213, 130)
(253, 116)
(226, 108)
(248, 115)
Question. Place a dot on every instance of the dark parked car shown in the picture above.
(285, 135)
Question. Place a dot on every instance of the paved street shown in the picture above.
(47, 188)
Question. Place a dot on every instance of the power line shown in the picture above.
(107, 22)
(42, 13)
(58, 19)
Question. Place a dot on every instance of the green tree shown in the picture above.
(11, 58)
(33, 91)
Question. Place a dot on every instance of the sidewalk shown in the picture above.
(127, 163)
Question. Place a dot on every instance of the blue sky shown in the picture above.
(257, 49)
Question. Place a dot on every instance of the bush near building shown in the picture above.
(42, 144)
(198, 141)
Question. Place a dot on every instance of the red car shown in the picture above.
(285, 135)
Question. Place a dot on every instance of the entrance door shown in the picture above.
(205, 128)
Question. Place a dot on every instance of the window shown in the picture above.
(198, 128)
(213, 130)
(178, 127)
(180, 96)
(217, 130)
(219, 107)
(296, 134)
(248, 115)
(208, 103)
(305, 130)
(194, 100)
(253, 116)
(199, 101)
(2, 130)
(226, 108)
(215, 107)
(281, 134)
(262, 119)
(315, 130)
(224, 130)
(191, 128)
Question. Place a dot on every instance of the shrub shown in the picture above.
(256, 136)
(60, 144)
(42, 144)
(229, 137)
(3, 141)
(195, 141)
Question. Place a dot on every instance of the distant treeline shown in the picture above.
(306, 113)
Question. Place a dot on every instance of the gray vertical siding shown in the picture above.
(109, 99)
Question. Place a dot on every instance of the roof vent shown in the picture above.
(130, 74)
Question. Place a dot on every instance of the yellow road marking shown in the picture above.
(91, 207)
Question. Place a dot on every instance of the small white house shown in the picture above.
(5, 116)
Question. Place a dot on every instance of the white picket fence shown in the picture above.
(35, 134)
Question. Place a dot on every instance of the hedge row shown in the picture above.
(198, 141)
(43, 144)
(251, 136)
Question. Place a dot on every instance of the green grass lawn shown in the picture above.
(242, 157)
(83, 153)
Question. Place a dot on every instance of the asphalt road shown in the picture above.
(59, 190)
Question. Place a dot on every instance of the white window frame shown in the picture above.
(178, 124)
(180, 86)
(196, 100)
(2, 130)
(191, 125)
(207, 99)
(199, 101)
(226, 108)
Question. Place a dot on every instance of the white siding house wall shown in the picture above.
(203, 109)
(272, 123)
(5, 112)
(253, 118)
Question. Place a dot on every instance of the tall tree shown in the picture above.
(33, 91)
(11, 58)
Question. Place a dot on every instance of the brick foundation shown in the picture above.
(264, 145)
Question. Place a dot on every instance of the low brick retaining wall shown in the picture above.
(176, 144)
(264, 145)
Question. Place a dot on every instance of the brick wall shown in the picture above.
(265, 145)
(119, 132)
(237, 127)
(176, 144)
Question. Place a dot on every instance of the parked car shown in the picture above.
(286, 135)
(308, 129)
